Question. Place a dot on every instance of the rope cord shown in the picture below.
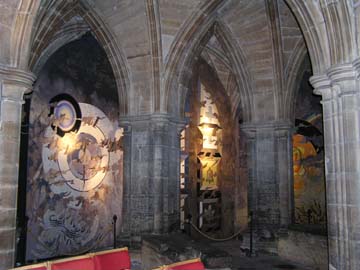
(215, 239)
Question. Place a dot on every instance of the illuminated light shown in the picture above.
(207, 131)
(205, 119)
(68, 142)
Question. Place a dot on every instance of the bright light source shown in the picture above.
(68, 142)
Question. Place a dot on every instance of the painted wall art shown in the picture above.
(210, 158)
(308, 158)
(211, 131)
(75, 157)
(210, 145)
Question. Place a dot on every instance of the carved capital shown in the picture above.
(279, 128)
(10, 75)
(339, 80)
(321, 84)
(157, 120)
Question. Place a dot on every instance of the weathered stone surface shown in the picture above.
(8, 196)
(151, 188)
(7, 237)
(13, 83)
(304, 248)
(8, 217)
(246, 44)
(6, 259)
(167, 249)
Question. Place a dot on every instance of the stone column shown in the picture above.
(151, 175)
(13, 84)
(341, 114)
(242, 176)
(270, 179)
(285, 173)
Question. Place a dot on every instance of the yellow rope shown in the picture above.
(215, 239)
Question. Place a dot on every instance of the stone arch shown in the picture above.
(193, 34)
(51, 35)
(188, 45)
(293, 76)
(329, 29)
(64, 37)
(21, 33)
(340, 25)
(154, 29)
(239, 65)
(312, 24)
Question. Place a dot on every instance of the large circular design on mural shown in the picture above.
(85, 160)
(85, 164)
(79, 160)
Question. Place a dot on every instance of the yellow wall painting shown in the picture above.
(308, 182)
(209, 172)
(211, 132)
(302, 150)
(209, 122)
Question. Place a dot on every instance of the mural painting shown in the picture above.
(211, 132)
(210, 158)
(75, 157)
(308, 158)
(210, 153)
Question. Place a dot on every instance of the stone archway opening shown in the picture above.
(212, 186)
(71, 155)
(308, 222)
(308, 156)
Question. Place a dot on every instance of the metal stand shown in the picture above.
(187, 226)
(251, 234)
(114, 229)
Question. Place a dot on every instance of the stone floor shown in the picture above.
(239, 261)
(262, 261)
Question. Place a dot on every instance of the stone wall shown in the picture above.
(131, 33)
(304, 248)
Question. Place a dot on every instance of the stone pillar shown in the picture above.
(151, 175)
(270, 184)
(341, 114)
(242, 176)
(13, 84)
(285, 174)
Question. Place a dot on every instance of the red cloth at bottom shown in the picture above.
(188, 266)
(118, 260)
(76, 264)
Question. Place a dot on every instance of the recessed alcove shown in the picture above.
(72, 154)
(169, 126)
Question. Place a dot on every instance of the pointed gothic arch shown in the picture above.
(51, 35)
(22, 32)
(312, 24)
(187, 46)
(293, 74)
